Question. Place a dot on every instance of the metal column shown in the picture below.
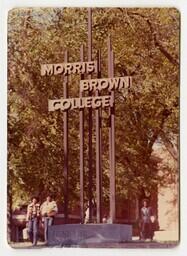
(90, 123)
(98, 150)
(66, 153)
(111, 138)
(81, 129)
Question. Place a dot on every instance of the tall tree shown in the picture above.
(146, 46)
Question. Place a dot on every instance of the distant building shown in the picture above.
(168, 196)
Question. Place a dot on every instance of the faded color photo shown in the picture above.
(93, 127)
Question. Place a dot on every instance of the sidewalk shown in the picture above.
(135, 243)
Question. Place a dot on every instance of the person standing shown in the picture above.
(87, 213)
(145, 221)
(32, 218)
(93, 212)
(48, 211)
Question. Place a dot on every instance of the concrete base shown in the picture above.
(75, 234)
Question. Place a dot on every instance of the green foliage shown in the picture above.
(146, 46)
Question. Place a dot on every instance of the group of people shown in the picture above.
(36, 213)
(48, 209)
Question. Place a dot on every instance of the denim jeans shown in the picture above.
(33, 230)
(48, 221)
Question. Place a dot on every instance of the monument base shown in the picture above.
(78, 234)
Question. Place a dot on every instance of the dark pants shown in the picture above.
(147, 230)
(48, 221)
(33, 230)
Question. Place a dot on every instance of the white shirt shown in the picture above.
(48, 207)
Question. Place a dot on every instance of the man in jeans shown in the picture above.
(48, 211)
(33, 215)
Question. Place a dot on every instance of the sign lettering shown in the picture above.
(69, 68)
(116, 83)
(80, 103)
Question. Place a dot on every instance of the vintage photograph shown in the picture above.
(93, 127)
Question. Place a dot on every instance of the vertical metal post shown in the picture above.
(90, 123)
(81, 129)
(65, 95)
(9, 213)
(111, 138)
(113, 174)
(98, 149)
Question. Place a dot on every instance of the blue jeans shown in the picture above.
(33, 230)
(48, 221)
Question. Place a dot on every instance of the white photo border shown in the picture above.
(5, 6)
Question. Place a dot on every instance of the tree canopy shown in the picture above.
(146, 47)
